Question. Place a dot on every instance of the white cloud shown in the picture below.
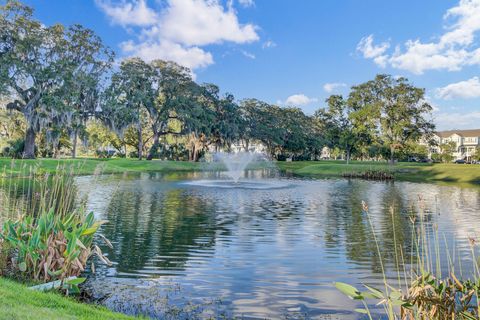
(248, 54)
(457, 120)
(201, 22)
(191, 57)
(268, 44)
(464, 89)
(246, 3)
(299, 100)
(179, 30)
(135, 13)
(371, 51)
(330, 87)
(451, 51)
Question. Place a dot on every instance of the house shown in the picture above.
(466, 142)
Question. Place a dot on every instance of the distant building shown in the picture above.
(239, 146)
(253, 146)
(326, 154)
(466, 142)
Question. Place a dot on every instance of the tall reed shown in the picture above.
(47, 233)
(422, 290)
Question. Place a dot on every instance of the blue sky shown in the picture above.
(298, 52)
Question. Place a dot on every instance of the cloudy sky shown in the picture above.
(298, 52)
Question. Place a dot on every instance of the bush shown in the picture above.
(104, 154)
(51, 240)
(52, 247)
(14, 149)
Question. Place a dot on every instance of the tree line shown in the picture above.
(60, 85)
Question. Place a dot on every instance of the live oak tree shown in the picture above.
(93, 61)
(33, 67)
(175, 92)
(338, 125)
(227, 123)
(128, 98)
(261, 124)
(398, 108)
(38, 64)
(58, 78)
(198, 119)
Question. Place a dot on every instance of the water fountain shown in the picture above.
(236, 164)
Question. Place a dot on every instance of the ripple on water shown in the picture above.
(194, 248)
(241, 184)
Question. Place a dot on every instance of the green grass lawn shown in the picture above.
(19, 302)
(408, 171)
(87, 166)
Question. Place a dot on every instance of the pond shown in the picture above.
(185, 249)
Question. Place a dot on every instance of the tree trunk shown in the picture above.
(195, 151)
(392, 155)
(348, 155)
(29, 146)
(140, 143)
(74, 144)
(154, 148)
(56, 152)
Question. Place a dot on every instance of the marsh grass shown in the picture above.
(421, 289)
(32, 190)
(47, 234)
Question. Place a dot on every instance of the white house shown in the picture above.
(466, 142)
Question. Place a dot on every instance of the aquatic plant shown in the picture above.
(52, 237)
(370, 175)
(51, 246)
(425, 295)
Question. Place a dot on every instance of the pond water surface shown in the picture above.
(184, 250)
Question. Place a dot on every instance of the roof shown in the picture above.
(463, 133)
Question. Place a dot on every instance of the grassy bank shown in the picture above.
(407, 171)
(19, 302)
(88, 166)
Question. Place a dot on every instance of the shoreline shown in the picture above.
(445, 173)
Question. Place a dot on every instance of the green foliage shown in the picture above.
(424, 296)
(476, 155)
(52, 246)
(50, 239)
(14, 149)
(391, 110)
(338, 123)
(47, 63)
(413, 151)
(12, 124)
(99, 137)
(145, 103)
(446, 151)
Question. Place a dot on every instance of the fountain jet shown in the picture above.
(236, 163)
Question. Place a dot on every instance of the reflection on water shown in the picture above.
(182, 250)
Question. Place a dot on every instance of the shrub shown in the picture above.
(104, 154)
(14, 149)
(52, 247)
(51, 240)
